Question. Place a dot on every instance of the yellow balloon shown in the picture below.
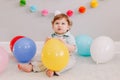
(55, 55)
(94, 3)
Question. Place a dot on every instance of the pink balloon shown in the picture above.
(4, 58)
(44, 12)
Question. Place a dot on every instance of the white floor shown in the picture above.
(85, 69)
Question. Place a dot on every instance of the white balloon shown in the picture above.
(102, 49)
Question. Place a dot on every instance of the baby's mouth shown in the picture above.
(59, 29)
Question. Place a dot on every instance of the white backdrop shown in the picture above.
(17, 20)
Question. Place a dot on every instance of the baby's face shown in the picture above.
(60, 26)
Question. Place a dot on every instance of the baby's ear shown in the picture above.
(70, 23)
(68, 29)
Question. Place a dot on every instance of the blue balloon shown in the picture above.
(83, 43)
(24, 50)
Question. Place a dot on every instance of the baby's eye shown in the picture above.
(63, 23)
(57, 23)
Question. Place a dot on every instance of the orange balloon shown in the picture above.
(82, 9)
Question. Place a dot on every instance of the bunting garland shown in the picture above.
(45, 12)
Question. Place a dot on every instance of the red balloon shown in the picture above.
(12, 42)
(69, 13)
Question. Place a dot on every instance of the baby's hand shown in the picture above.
(48, 38)
(62, 40)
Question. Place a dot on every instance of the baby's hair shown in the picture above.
(60, 16)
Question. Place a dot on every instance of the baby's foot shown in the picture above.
(49, 73)
(25, 67)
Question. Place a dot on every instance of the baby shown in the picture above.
(61, 26)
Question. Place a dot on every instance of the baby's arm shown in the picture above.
(70, 47)
(47, 39)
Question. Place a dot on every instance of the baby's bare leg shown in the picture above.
(25, 67)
